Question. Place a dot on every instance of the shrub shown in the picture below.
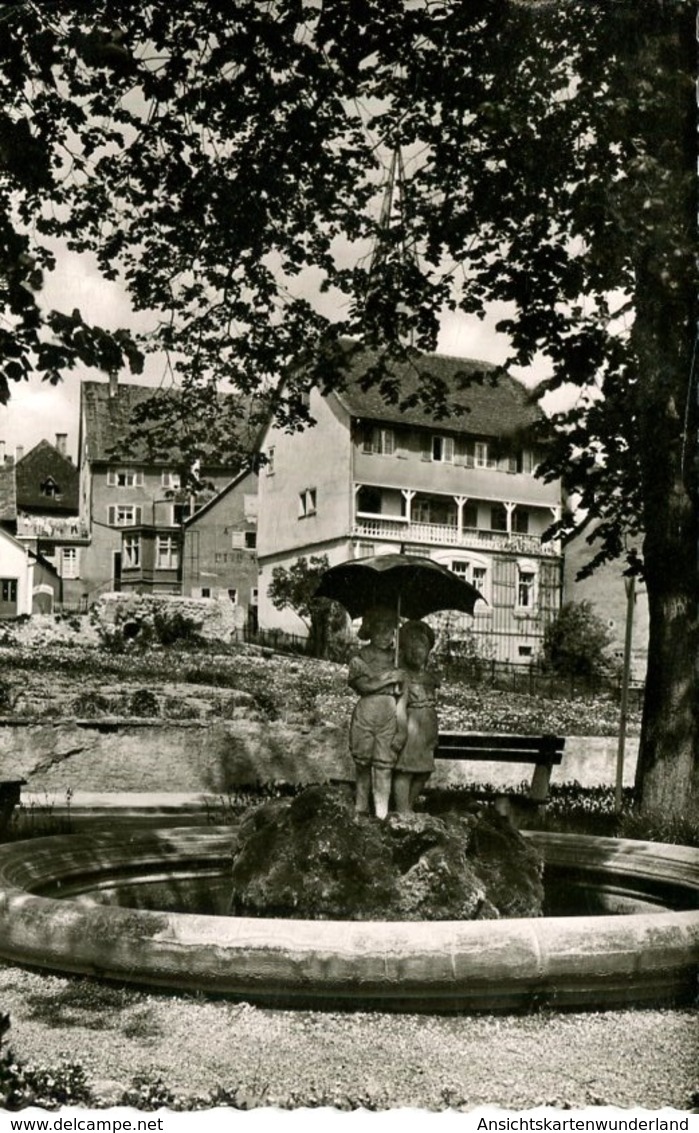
(144, 703)
(90, 703)
(576, 643)
(172, 627)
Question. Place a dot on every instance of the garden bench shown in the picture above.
(10, 792)
(544, 752)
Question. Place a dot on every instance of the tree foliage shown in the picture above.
(225, 163)
(293, 588)
(576, 643)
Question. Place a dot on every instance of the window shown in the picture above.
(251, 540)
(206, 591)
(69, 562)
(124, 477)
(123, 515)
(482, 457)
(524, 650)
(498, 518)
(525, 598)
(270, 462)
(51, 489)
(233, 596)
(254, 595)
(443, 449)
(8, 589)
(526, 461)
(167, 553)
(170, 479)
(307, 503)
(461, 568)
(520, 521)
(378, 440)
(365, 550)
(131, 546)
(478, 578)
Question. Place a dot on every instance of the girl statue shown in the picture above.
(417, 732)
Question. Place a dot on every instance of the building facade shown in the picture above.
(370, 478)
(48, 519)
(133, 505)
(28, 583)
(220, 549)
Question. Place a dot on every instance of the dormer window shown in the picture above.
(382, 441)
(482, 457)
(50, 489)
(443, 449)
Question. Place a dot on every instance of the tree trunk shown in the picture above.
(664, 337)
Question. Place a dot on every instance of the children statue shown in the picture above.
(417, 732)
(374, 676)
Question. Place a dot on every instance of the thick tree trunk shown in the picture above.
(665, 341)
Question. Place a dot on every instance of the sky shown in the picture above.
(38, 410)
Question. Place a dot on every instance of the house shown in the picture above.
(220, 549)
(48, 521)
(132, 502)
(28, 583)
(371, 477)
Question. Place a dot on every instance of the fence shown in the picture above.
(506, 676)
(535, 681)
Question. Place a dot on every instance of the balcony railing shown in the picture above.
(50, 527)
(446, 534)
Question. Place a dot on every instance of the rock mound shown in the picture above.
(310, 857)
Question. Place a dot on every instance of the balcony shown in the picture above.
(448, 535)
(47, 527)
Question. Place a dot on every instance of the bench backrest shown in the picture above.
(500, 748)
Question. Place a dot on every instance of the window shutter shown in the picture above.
(138, 478)
(468, 454)
(137, 515)
(111, 478)
(111, 515)
(448, 449)
(389, 442)
(512, 464)
(426, 446)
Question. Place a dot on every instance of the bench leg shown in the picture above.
(541, 778)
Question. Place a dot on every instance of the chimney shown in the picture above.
(61, 439)
(19, 453)
(2, 452)
(113, 383)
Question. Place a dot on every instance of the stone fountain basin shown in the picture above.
(58, 911)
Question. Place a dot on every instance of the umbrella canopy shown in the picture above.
(412, 585)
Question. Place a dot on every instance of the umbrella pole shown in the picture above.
(397, 628)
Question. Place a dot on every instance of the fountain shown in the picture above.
(59, 910)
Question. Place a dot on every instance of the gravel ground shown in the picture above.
(630, 1059)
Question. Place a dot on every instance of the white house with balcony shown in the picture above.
(370, 478)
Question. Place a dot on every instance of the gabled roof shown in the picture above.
(107, 424)
(107, 419)
(220, 495)
(8, 492)
(43, 463)
(494, 407)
